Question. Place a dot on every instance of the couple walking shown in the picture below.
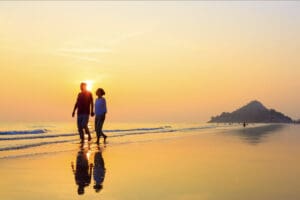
(85, 107)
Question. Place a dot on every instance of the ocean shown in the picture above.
(152, 161)
(29, 139)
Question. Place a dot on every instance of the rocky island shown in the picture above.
(253, 112)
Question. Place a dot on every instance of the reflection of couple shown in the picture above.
(85, 107)
(84, 170)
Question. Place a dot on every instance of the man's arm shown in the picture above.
(92, 106)
(75, 107)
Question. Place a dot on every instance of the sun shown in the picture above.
(89, 85)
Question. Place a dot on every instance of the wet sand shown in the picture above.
(206, 166)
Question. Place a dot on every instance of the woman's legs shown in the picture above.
(97, 129)
(99, 121)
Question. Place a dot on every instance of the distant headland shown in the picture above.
(253, 112)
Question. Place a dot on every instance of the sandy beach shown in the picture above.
(205, 165)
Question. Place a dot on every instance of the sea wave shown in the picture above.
(41, 131)
(23, 132)
(25, 146)
(38, 136)
(138, 129)
(114, 132)
(68, 137)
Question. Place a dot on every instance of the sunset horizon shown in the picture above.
(149, 100)
(190, 60)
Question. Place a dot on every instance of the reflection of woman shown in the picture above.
(99, 171)
(82, 172)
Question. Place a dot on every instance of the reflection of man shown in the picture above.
(82, 172)
(84, 106)
(99, 171)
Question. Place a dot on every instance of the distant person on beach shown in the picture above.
(84, 106)
(99, 170)
(82, 172)
(100, 111)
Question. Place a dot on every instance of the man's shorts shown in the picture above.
(82, 121)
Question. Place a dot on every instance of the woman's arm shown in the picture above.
(105, 107)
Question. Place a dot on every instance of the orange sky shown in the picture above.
(157, 61)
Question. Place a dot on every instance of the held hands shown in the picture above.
(92, 114)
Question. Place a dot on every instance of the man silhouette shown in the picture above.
(83, 170)
(84, 105)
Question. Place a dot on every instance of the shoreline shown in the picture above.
(205, 165)
(67, 146)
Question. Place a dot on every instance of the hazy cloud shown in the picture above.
(80, 57)
(92, 53)
(85, 50)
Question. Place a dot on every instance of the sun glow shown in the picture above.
(89, 85)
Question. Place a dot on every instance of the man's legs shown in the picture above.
(88, 132)
(80, 127)
(85, 126)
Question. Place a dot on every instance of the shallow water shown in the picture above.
(26, 139)
(212, 162)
